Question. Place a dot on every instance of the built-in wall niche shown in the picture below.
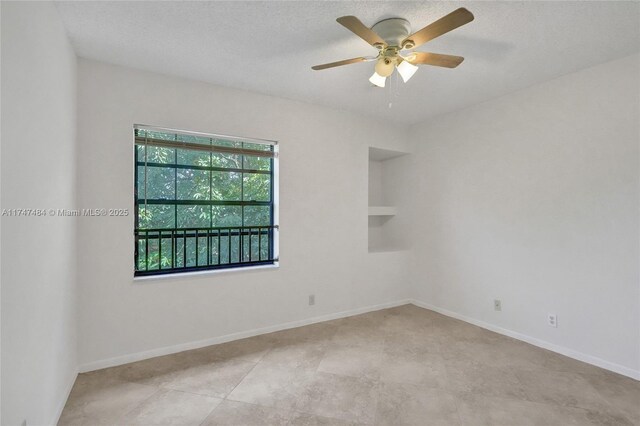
(383, 188)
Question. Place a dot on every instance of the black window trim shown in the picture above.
(174, 233)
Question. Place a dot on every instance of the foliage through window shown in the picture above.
(202, 202)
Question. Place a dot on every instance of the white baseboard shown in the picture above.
(589, 359)
(138, 356)
(70, 383)
(167, 350)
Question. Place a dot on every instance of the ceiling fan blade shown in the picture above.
(437, 59)
(354, 25)
(339, 63)
(455, 19)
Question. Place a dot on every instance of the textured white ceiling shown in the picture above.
(269, 47)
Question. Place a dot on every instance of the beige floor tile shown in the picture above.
(305, 419)
(317, 333)
(407, 317)
(622, 393)
(361, 336)
(484, 380)
(169, 407)
(451, 330)
(158, 371)
(353, 361)
(428, 369)
(477, 410)
(403, 404)
(98, 400)
(341, 397)
(234, 413)
(567, 389)
(251, 349)
(367, 320)
(556, 362)
(412, 340)
(272, 386)
(215, 379)
(497, 354)
(294, 354)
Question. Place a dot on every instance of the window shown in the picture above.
(203, 202)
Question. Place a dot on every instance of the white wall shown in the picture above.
(38, 253)
(323, 216)
(533, 199)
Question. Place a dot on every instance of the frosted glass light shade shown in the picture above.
(406, 70)
(384, 68)
(377, 79)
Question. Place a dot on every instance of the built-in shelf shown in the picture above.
(385, 170)
(382, 211)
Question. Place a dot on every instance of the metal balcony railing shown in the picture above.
(164, 251)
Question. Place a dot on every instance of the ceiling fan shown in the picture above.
(394, 43)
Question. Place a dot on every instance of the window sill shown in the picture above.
(196, 274)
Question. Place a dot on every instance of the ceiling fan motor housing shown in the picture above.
(393, 30)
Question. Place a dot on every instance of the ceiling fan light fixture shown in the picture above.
(377, 80)
(384, 67)
(393, 39)
(406, 70)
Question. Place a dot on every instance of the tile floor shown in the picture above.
(404, 365)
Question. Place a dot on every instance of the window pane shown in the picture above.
(235, 247)
(226, 186)
(264, 245)
(231, 161)
(140, 183)
(257, 187)
(202, 250)
(140, 152)
(257, 215)
(160, 183)
(200, 140)
(226, 216)
(228, 143)
(194, 217)
(189, 253)
(254, 253)
(224, 249)
(156, 135)
(257, 163)
(180, 251)
(193, 158)
(258, 146)
(245, 247)
(193, 184)
(142, 243)
(156, 216)
(158, 155)
(152, 255)
(166, 256)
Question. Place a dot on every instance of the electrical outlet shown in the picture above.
(312, 299)
(497, 305)
(552, 320)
